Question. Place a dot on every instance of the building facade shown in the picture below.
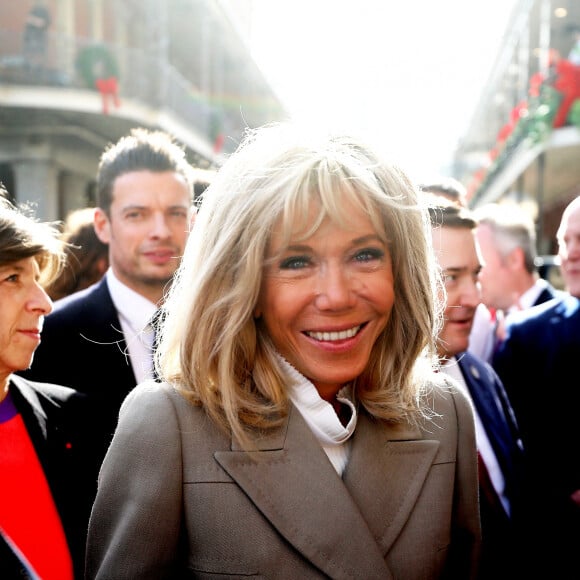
(523, 142)
(76, 75)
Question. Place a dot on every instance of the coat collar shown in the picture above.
(23, 393)
(295, 486)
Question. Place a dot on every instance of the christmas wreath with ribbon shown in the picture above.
(96, 62)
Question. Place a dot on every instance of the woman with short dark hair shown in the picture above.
(46, 477)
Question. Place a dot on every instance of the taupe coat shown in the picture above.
(178, 499)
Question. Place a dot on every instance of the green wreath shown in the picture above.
(96, 62)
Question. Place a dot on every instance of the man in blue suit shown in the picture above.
(497, 435)
(538, 363)
(99, 340)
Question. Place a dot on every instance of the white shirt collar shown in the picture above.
(135, 313)
(318, 413)
(529, 297)
(133, 308)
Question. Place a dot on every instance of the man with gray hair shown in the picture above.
(509, 278)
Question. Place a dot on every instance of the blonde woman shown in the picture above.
(300, 431)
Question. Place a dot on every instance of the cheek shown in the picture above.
(381, 292)
(450, 300)
(279, 306)
(180, 232)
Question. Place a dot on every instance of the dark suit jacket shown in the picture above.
(179, 499)
(57, 421)
(83, 347)
(548, 293)
(538, 364)
(503, 539)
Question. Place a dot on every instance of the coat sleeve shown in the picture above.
(136, 518)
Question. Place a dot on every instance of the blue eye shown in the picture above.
(369, 254)
(295, 263)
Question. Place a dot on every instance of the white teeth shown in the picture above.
(331, 336)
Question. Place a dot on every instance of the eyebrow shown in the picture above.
(460, 269)
(12, 266)
(355, 242)
(369, 238)
(137, 206)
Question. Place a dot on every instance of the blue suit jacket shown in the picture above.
(58, 423)
(503, 540)
(496, 413)
(548, 293)
(538, 364)
(83, 347)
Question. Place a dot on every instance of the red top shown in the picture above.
(28, 515)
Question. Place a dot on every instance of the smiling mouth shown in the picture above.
(334, 336)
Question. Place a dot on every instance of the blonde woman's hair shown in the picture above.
(213, 349)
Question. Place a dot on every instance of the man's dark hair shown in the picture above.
(141, 150)
(447, 187)
(445, 213)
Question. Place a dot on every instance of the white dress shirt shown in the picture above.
(134, 313)
(529, 297)
(484, 447)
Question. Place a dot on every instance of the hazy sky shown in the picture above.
(405, 74)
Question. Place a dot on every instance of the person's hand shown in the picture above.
(575, 497)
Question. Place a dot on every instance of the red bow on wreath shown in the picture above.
(108, 88)
(567, 82)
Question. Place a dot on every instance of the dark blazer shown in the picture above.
(503, 540)
(83, 347)
(484, 337)
(548, 293)
(57, 421)
(538, 364)
(179, 499)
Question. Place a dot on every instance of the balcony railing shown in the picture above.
(77, 63)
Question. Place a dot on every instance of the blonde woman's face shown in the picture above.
(325, 300)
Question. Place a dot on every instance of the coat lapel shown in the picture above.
(488, 406)
(28, 405)
(295, 486)
(385, 475)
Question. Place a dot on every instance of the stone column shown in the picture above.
(36, 181)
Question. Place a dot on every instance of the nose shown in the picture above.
(471, 293)
(39, 300)
(336, 289)
(159, 228)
